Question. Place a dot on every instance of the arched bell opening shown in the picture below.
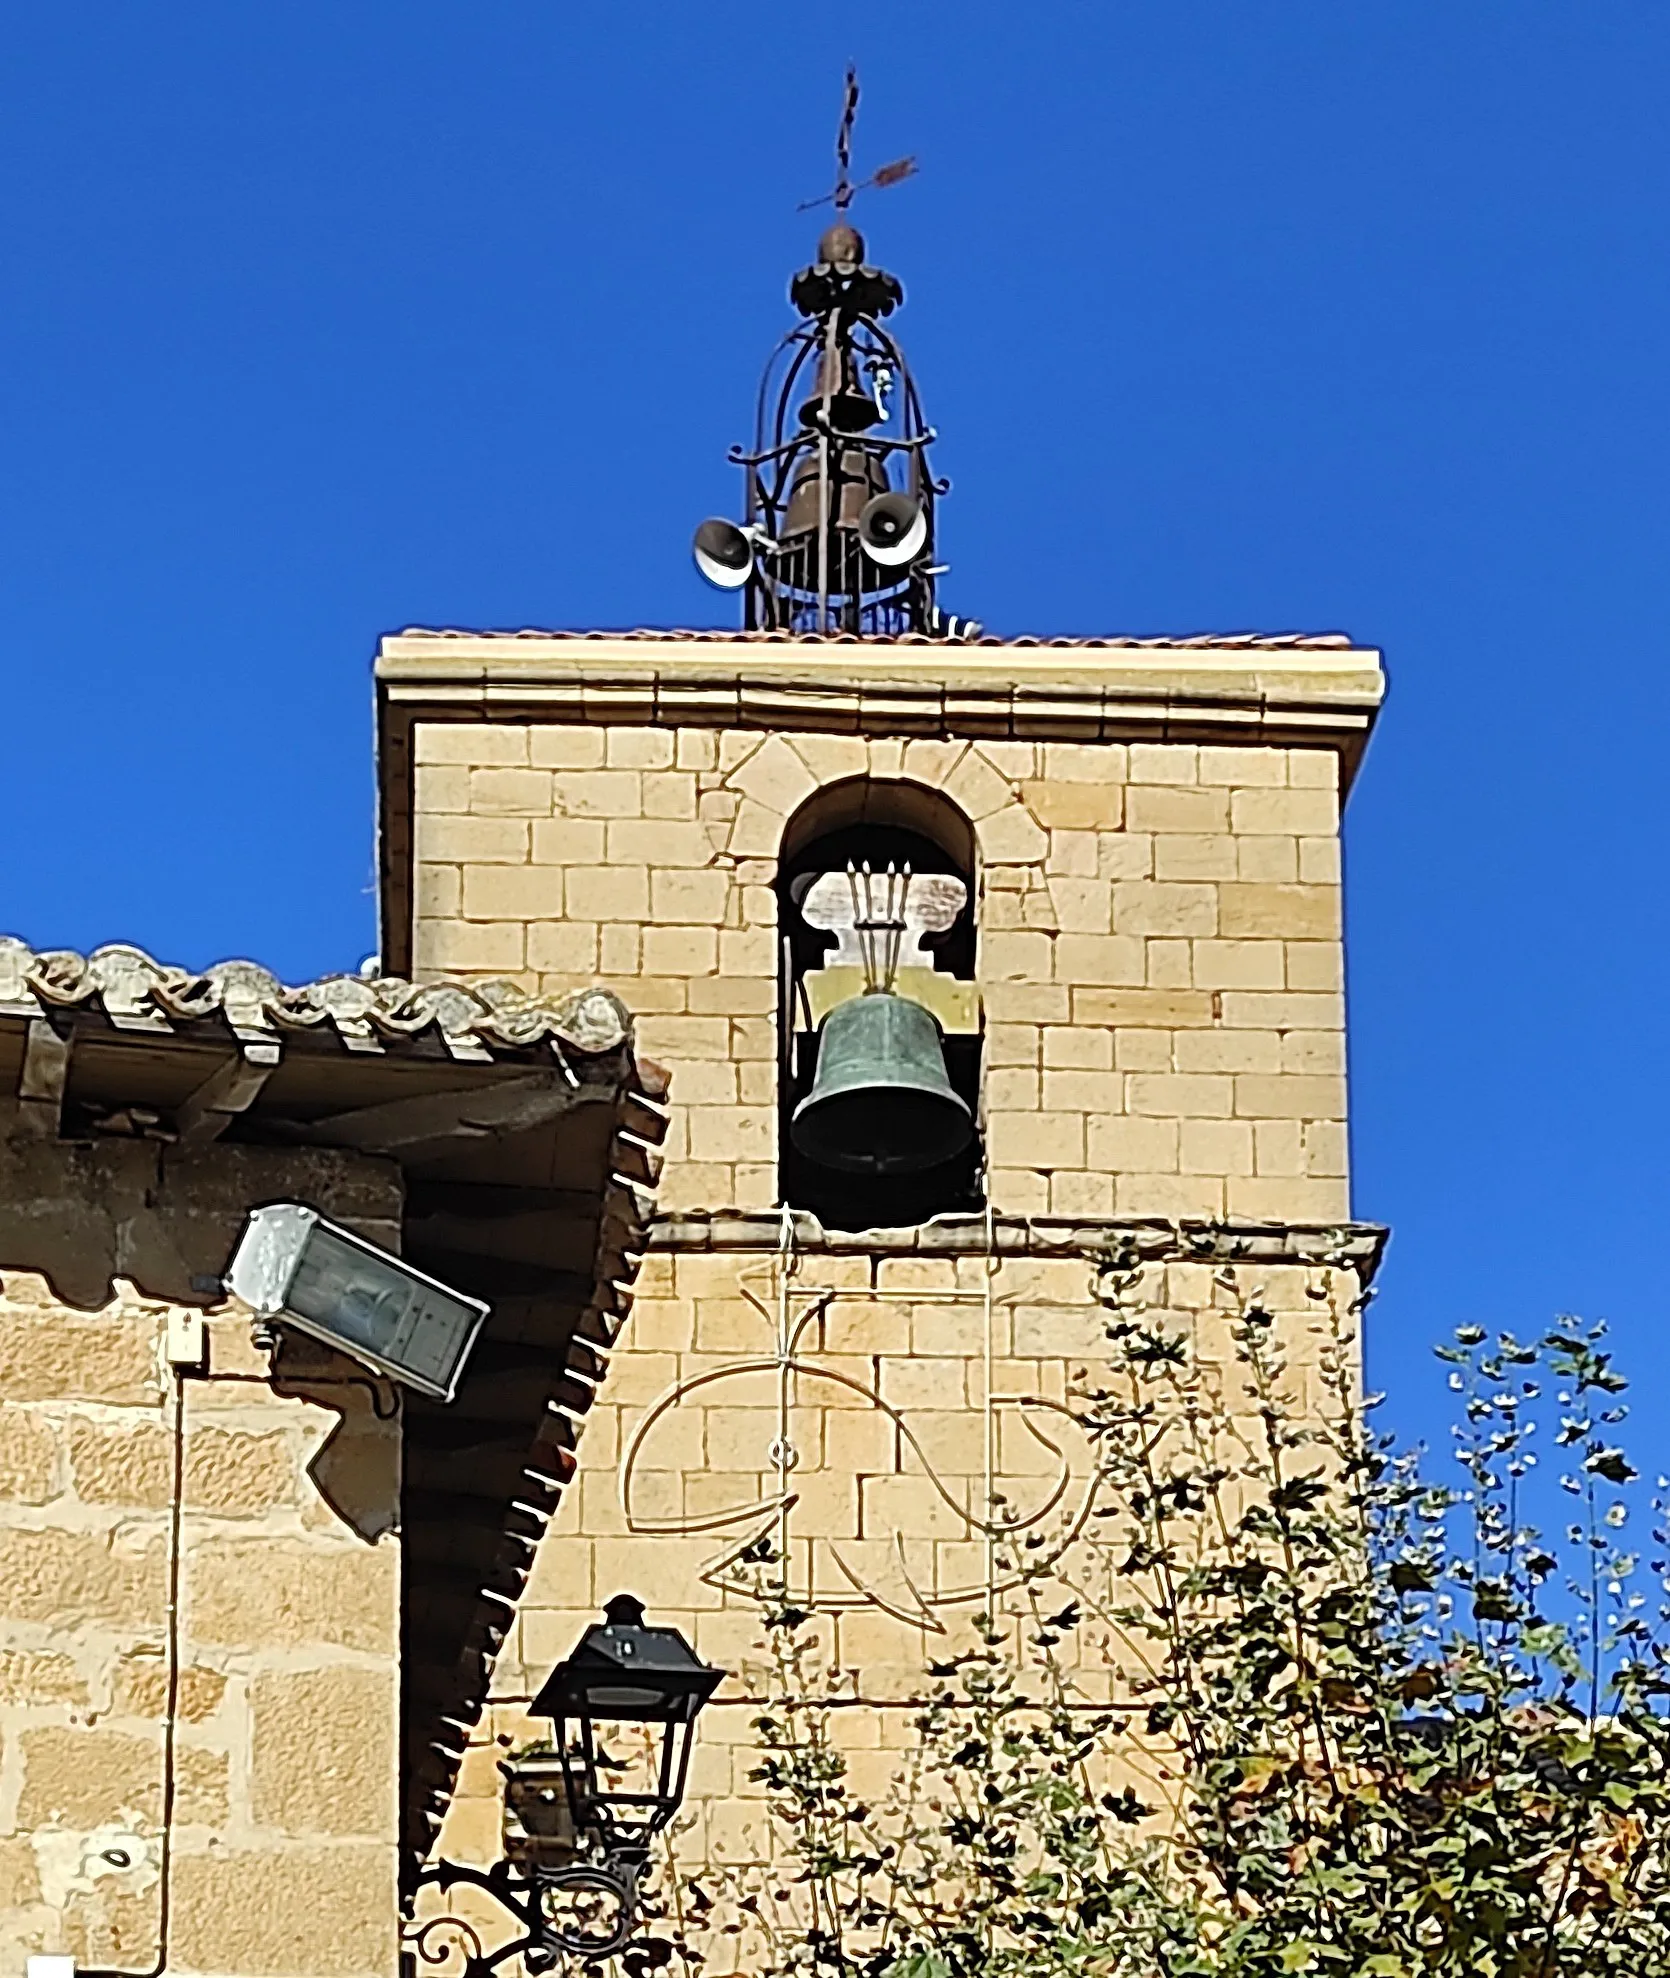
(879, 1087)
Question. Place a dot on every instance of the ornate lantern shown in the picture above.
(579, 1821)
(621, 1672)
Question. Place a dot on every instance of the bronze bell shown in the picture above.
(857, 476)
(880, 1102)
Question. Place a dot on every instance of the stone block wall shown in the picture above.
(1159, 945)
(282, 1668)
(861, 1410)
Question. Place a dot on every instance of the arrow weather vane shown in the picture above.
(885, 175)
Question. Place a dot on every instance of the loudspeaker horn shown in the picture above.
(893, 529)
(724, 553)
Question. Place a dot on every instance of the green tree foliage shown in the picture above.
(1348, 1735)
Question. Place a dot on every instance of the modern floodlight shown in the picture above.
(292, 1264)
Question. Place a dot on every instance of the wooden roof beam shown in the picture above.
(230, 1089)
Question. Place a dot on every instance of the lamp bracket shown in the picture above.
(544, 1901)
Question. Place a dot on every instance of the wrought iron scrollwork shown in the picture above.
(586, 1910)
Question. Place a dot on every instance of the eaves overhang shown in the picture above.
(505, 1144)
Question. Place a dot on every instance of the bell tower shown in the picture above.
(971, 961)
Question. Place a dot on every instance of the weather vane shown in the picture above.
(884, 175)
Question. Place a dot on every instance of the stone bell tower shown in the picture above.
(967, 958)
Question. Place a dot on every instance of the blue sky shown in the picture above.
(318, 321)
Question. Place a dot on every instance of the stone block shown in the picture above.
(83, 1777)
(69, 1577)
(606, 793)
(1216, 1147)
(1015, 957)
(29, 1677)
(1230, 1050)
(1278, 1147)
(476, 742)
(202, 1787)
(1251, 1009)
(683, 951)
(1150, 907)
(1292, 913)
(1074, 855)
(689, 896)
(20, 1883)
(323, 1751)
(1288, 1200)
(140, 1688)
(1068, 1047)
(440, 891)
(1301, 813)
(49, 1354)
(1012, 836)
(1075, 806)
(511, 892)
(121, 1464)
(1180, 856)
(1013, 1044)
(1164, 762)
(1100, 959)
(1177, 1195)
(295, 1912)
(607, 892)
(756, 831)
(733, 1133)
(569, 948)
(1147, 1050)
(1289, 1095)
(573, 841)
(472, 840)
(1238, 964)
(1026, 1002)
(1148, 1009)
(476, 947)
(1173, 807)
(28, 1457)
(1084, 1092)
(238, 1473)
(1272, 861)
(1309, 1051)
(1315, 965)
(510, 792)
(670, 794)
(774, 777)
(833, 758)
(560, 746)
(640, 748)
(1019, 1192)
(1081, 906)
(1037, 1140)
(269, 1593)
(620, 950)
(441, 787)
(1319, 861)
(1013, 1089)
(1181, 1095)
(1244, 766)
(1125, 1145)
(1313, 769)
(1074, 1193)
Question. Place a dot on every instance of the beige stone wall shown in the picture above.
(1159, 942)
(283, 1857)
(907, 1391)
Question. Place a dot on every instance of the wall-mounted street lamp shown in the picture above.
(579, 1821)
